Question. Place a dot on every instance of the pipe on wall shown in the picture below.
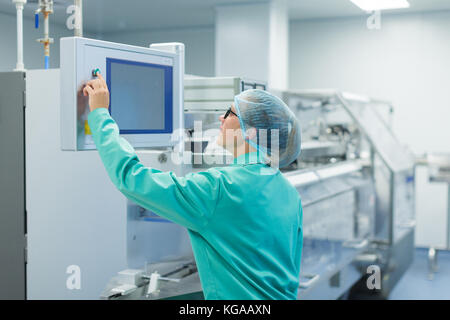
(19, 6)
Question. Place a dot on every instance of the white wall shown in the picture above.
(33, 51)
(407, 61)
(252, 41)
(242, 40)
(199, 44)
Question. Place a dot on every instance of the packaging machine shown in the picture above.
(69, 234)
(355, 179)
(357, 185)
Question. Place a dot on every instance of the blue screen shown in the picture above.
(140, 96)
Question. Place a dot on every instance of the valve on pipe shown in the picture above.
(46, 8)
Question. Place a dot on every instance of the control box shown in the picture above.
(146, 92)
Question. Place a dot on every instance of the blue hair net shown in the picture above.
(278, 135)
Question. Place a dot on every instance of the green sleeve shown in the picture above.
(189, 201)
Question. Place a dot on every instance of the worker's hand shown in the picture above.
(98, 93)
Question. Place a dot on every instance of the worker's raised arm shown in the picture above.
(189, 201)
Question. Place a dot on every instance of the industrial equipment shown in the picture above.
(156, 126)
(357, 185)
(355, 180)
(67, 233)
(66, 230)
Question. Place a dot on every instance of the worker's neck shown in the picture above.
(243, 149)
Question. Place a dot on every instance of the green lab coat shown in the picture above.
(244, 220)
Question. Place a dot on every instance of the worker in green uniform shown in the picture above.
(244, 220)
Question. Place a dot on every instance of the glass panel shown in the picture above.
(392, 152)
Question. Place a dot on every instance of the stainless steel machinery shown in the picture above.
(356, 182)
(355, 179)
(67, 233)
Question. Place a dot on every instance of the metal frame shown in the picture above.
(13, 226)
(394, 251)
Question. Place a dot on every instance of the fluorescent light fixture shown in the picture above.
(374, 5)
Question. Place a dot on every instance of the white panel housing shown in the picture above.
(79, 56)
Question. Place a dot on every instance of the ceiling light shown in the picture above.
(374, 5)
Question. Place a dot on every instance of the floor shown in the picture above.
(415, 285)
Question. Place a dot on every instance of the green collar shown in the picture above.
(249, 158)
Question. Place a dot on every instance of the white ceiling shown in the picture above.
(313, 9)
(101, 16)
